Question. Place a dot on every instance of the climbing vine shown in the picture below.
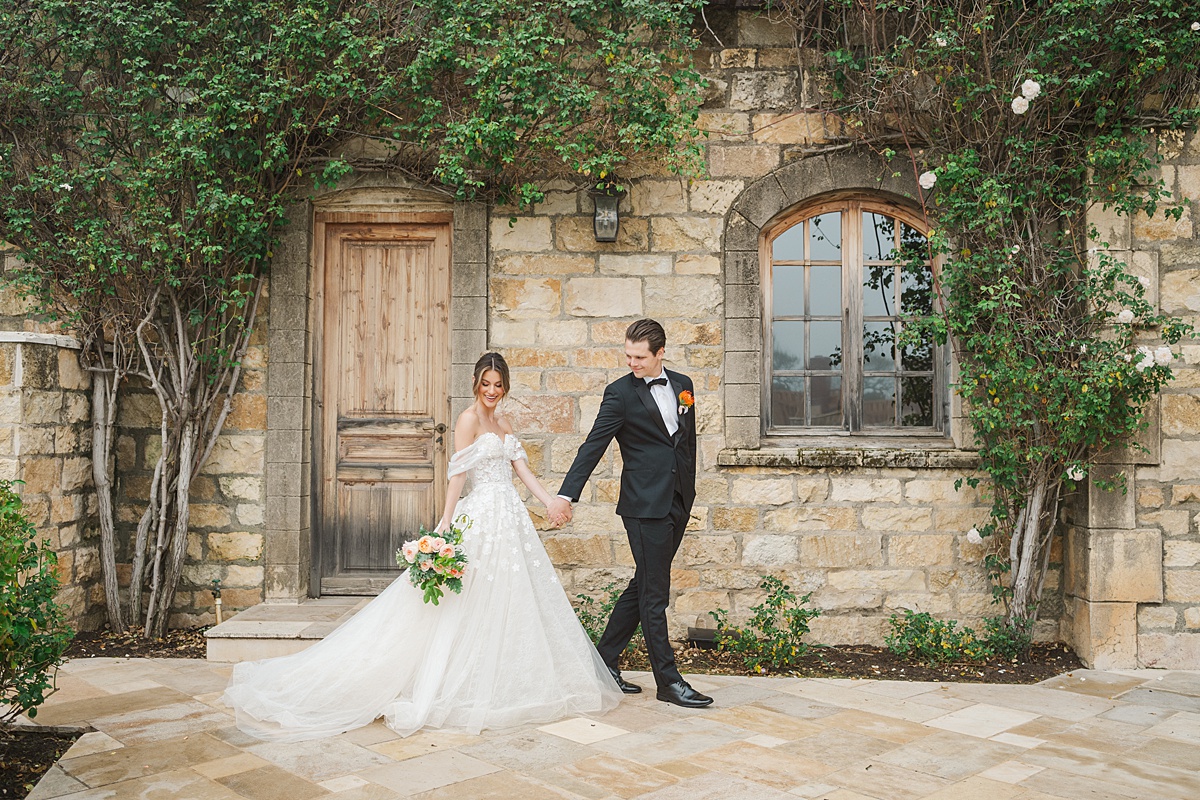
(1018, 120)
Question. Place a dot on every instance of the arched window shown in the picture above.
(844, 274)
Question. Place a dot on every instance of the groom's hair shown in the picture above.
(648, 331)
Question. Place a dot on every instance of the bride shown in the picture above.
(507, 651)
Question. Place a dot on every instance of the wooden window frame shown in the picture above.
(852, 205)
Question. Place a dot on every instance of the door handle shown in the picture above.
(439, 429)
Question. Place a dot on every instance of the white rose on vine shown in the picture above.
(1076, 473)
(1020, 105)
(1030, 89)
(1163, 356)
(1146, 361)
(1125, 317)
(1144, 281)
(940, 40)
(974, 537)
(927, 180)
(1196, 26)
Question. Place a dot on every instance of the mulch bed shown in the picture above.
(864, 661)
(183, 643)
(25, 756)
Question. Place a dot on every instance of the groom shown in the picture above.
(656, 431)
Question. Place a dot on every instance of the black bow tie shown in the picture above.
(657, 382)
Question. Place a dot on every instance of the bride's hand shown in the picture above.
(442, 527)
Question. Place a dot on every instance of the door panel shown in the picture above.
(384, 396)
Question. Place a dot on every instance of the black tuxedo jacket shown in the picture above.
(655, 463)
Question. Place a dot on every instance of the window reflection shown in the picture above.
(825, 237)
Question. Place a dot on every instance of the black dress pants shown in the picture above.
(645, 599)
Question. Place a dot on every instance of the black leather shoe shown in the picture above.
(624, 685)
(681, 694)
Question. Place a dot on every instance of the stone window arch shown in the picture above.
(765, 225)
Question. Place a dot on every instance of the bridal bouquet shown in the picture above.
(436, 560)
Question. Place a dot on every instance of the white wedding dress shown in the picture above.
(507, 651)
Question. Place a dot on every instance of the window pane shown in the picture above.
(916, 289)
(879, 346)
(787, 291)
(917, 394)
(825, 237)
(918, 357)
(826, 400)
(879, 298)
(787, 401)
(789, 245)
(912, 243)
(825, 288)
(879, 401)
(879, 237)
(825, 348)
(787, 345)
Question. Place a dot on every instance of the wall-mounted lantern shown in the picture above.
(607, 220)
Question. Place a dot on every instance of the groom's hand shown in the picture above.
(559, 511)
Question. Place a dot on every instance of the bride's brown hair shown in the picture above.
(491, 361)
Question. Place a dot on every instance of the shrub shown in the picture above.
(774, 638)
(594, 616)
(1006, 639)
(33, 630)
(934, 641)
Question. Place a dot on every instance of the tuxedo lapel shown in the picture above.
(642, 390)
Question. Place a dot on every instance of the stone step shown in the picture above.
(277, 628)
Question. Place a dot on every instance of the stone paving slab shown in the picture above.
(160, 731)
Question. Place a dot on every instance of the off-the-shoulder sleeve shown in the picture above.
(465, 459)
(513, 449)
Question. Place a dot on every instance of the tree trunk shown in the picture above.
(104, 403)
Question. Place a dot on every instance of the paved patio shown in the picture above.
(160, 732)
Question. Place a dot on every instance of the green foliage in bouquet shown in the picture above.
(33, 629)
(436, 562)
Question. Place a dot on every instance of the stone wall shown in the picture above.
(1133, 580)
(45, 441)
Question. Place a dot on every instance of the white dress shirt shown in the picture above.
(664, 397)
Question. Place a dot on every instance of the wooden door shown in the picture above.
(384, 396)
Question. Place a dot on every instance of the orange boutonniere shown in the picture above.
(686, 401)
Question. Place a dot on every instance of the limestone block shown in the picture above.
(939, 490)
(1191, 617)
(679, 295)
(1179, 462)
(239, 546)
(520, 233)
(714, 197)
(859, 490)
(1157, 617)
(897, 519)
(938, 603)
(38, 440)
(594, 550)
(77, 408)
(242, 487)
(920, 550)
(1114, 565)
(760, 29)
(828, 599)
(42, 408)
(41, 476)
(543, 264)
(635, 264)
(1107, 509)
(525, 298)
(1181, 553)
(139, 410)
(243, 577)
(1169, 650)
(690, 332)
(737, 57)
(692, 264)
(742, 161)
(725, 518)
(681, 234)
(8, 358)
(1150, 497)
(1184, 493)
(248, 412)
(1160, 227)
(1181, 414)
(849, 629)
(70, 374)
(576, 234)
(251, 514)
(721, 125)
(887, 580)
(770, 550)
(1104, 635)
(700, 602)
(834, 518)
(762, 491)
(1182, 585)
(658, 197)
(710, 549)
(762, 90)
(795, 127)
(506, 333)
(235, 454)
(76, 473)
(543, 414)
(604, 297)
(1112, 227)
(841, 550)
(1172, 523)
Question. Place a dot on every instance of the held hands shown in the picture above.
(559, 512)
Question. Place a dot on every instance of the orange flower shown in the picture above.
(687, 399)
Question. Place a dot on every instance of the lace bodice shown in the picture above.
(488, 459)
